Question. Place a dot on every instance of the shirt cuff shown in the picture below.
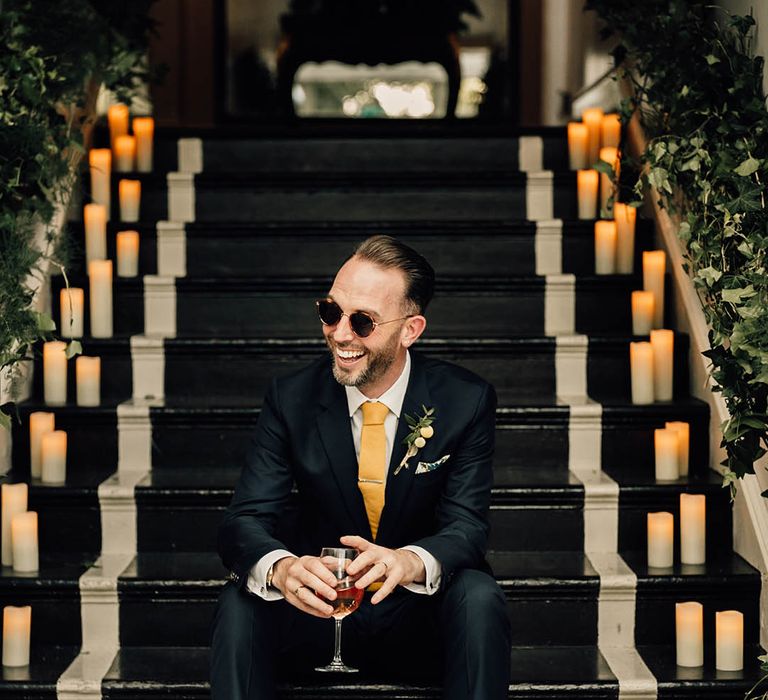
(257, 576)
(433, 572)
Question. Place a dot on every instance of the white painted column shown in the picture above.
(549, 247)
(148, 363)
(571, 366)
(539, 196)
(530, 154)
(560, 305)
(190, 155)
(181, 196)
(134, 435)
(585, 431)
(159, 306)
(171, 249)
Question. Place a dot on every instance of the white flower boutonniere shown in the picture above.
(421, 431)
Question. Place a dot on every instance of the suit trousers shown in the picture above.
(460, 634)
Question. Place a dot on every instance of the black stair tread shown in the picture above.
(639, 481)
(704, 682)
(78, 482)
(58, 571)
(38, 680)
(722, 568)
(553, 672)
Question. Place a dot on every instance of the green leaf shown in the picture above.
(5, 420)
(712, 59)
(734, 296)
(747, 167)
(74, 347)
(709, 274)
(45, 323)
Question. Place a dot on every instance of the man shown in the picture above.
(418, 513)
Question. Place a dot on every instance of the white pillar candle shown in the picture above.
(642, 312)
(40, 423)
(117, 116)
(729, 640)
(100, 278)
(72, 303)
(666, 451)
(14, 500)
(663, 344)
(593, 120)
(88, 375)
(625, 217)
(55, 372)
(654, 266)
(661, 540)
(587, 186)
(693, 528)
(95, 218)
(54, 457)
(641, 368)
(130, 200)
(605, 247)
(610, 131)
(611, 156)
(144, 131)
(578, 146)
(683, 430)
(17, 628)
(127, 253)
(125, 153)
(689, 619)
(24, 542)
(100, 162)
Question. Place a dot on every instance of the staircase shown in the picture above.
(238, 236)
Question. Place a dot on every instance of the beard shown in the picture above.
(376, 364)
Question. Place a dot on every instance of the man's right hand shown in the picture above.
(298, 579)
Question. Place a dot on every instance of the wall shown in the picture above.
(759, 10)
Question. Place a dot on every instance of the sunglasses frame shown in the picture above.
(375, 323)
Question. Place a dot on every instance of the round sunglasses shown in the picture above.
(361, 323)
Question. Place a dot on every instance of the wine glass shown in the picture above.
(348, 598)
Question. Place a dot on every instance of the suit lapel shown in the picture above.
(398, 487)
(335, 430)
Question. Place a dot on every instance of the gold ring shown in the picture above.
(296, 592)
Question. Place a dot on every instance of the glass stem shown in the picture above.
(337, 644)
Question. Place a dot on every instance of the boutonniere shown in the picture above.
(421, 431)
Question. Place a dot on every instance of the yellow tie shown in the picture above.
(372, 465)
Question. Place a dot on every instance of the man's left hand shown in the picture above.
(392, 566)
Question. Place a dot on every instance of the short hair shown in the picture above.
(388, 252)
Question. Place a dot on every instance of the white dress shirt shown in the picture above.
(393, 399)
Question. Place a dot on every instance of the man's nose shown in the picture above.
(343, 331)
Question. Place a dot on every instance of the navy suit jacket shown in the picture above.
(304, 440)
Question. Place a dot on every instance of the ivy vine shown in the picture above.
(698, 93)
(53, 61)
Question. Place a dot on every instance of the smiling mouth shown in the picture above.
(348, 358)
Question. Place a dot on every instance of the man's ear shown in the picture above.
(414, 326)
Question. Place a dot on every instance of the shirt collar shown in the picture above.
(392, 398)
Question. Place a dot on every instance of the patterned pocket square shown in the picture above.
(424, 467)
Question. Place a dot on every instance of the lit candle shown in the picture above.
(578, 146)
(641, 367)
(689, 618)
(88, 374)
(17, 627)
(625, 217)
(666, 450)
(24, 542)
(117, 115)
(130, 198)
(100, 161)
(654, 264)
(54, 451)
(729, 640)
(663, 344)
(610, 130)
(127, 253)
(95, 218)
(683, 430)
(55, 372)
(587, 184)
(642, 312)
(14, 500)
(144, 130)
(661, 540)
(125, 153)
(611, 156)
(100, 278)
(593, 120)
(605, 247)
(693, 529)
(71, 303)
(40, 423)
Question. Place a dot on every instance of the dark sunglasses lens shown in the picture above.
(362, 324)
(329, 312)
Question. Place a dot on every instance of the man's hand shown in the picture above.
(393, 566)
(299, 579)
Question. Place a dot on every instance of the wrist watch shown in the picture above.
(270, 575)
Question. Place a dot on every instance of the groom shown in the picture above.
(413, 501)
